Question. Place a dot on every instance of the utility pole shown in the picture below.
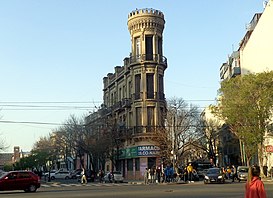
(174, 136)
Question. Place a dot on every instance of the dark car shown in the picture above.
(214, 175)
(76, 174)
(90, 175)
(20, 180)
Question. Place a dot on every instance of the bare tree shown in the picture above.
(209, 138)
(182, 124)
(3, 145)
(72, 136)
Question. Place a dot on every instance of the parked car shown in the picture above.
(60, 174)
(242, 173)
(115, 176)
(46, 174)
(214, 175)
(20, 180)
(76, 173)
(90, 175)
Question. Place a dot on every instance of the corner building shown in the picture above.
(133, 97)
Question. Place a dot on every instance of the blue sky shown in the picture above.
(60, 50)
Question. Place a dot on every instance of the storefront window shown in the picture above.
(129, 164)
(137, 164)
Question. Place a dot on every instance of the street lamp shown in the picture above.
(174, 136)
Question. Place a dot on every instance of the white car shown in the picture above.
(115, 176)
(46, 174)
(242, 173)
(61, 174)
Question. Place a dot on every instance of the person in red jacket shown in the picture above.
(254, 187)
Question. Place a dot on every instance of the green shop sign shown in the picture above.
(139, 151)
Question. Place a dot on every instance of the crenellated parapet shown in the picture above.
(147, 18)
(149, 11)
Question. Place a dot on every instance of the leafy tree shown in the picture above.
(246, 104)
(43, 151)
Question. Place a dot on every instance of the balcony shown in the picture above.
(143, 130)
(155, 58)
(126, 102)
(137, 96)
(235, 71)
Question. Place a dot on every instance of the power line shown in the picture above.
(50, 102)
(22, 122)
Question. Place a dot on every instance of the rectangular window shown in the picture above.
(151, 162)
(159, 46)
(137, 47)
(112, 99)
(137, 86)
(124, 92)
(129, 90)
(138, 116)
(120, 94)
(162, 116)
(129, 164)
(138, 120)
(150, 86)
(149, 47)
(137, 164)
(161, 87)
(150, 119)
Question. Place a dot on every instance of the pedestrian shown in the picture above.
(254, 187)
(152, 173)
(146, 176)
(101, 175)
(265, 169)
(271, 172)
(228, 172)
(158, 174)
(167, 174)
(110, 177)
(83, 177)
(189, 170)
(185, 174)
(171, 173)
(233, 173)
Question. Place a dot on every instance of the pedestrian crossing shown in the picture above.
(59, 185)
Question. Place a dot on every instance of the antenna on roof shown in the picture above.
(264, 4)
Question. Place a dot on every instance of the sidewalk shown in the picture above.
(267, 179)
(142, 182)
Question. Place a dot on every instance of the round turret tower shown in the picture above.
(147, 66)
(146, 28)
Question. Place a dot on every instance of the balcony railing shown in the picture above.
(148, 58)
(138, 130)
(137, 96)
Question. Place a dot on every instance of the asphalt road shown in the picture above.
(193, 190)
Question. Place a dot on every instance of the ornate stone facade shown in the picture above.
(133, 97)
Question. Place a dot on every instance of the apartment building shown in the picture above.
(254, 55)
(134, 106)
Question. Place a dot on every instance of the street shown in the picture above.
(125, 190)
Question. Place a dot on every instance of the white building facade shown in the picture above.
(255, 56)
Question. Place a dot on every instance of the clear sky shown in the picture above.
(57, 51)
